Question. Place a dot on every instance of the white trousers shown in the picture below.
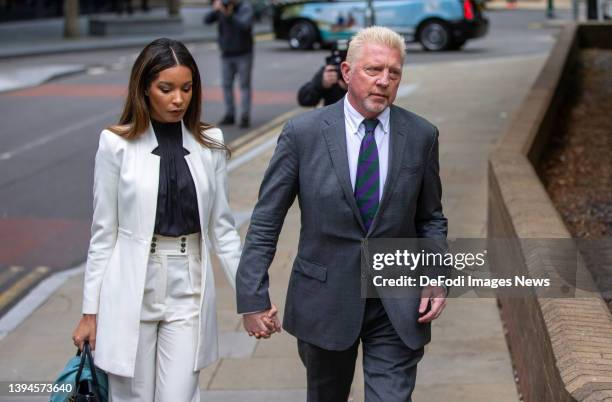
(167, 341)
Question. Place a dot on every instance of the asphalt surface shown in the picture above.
(50, 132)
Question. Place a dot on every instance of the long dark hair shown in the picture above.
(157, 56)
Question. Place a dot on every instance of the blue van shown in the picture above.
(436, 24)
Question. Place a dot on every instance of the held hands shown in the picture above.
(85, 331)
(262, 324)
(435, 297)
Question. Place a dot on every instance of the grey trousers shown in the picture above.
(230, 66)
(389, 366)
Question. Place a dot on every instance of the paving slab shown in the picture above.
(236, 345)
(271, 373)
(298, 395)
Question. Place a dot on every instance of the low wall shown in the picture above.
(118, 25)
(561, 348)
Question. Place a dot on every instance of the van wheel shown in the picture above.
(302, 35)
(435, 36)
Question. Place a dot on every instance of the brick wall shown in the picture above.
(561, 348)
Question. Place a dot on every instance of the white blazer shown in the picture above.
(125, 201)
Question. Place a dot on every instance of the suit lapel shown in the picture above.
(149, 178)
(334, 132)
(397, 141)
(195, 162)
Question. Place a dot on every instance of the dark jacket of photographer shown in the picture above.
(235, 30)
(312, 92)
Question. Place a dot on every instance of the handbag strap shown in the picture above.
(86, 354)
(94, 376)
(81, 365)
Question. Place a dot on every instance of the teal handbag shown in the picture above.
(77, 383)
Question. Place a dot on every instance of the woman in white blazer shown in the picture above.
(160, 192)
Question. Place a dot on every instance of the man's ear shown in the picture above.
(345, 69)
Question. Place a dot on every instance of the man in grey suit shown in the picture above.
(361, 168)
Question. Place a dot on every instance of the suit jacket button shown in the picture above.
(182, 250)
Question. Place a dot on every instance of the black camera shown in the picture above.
(338, 54)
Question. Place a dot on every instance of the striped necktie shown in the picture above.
(367, 183)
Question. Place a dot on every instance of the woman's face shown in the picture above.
(170, 94)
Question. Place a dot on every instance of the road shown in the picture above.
(50, 132)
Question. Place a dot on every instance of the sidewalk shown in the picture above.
(467, 359)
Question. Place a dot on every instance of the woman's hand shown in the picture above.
(85, 331)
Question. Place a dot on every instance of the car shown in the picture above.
(436, 24)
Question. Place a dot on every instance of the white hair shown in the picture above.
(378, 35)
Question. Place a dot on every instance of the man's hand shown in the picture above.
(225, 9)
(330, 76)
(436, 297)
(217, 5)
(262, 324)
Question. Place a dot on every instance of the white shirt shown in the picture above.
(355, 131)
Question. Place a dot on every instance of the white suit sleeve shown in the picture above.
(224, 237)
(104, 225)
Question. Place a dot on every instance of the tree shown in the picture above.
(71, 19)
(174, 7)
(592, 11)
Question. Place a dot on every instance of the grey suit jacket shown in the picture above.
(324, 305)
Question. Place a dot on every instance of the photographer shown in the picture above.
(327, 83)
(235, 18)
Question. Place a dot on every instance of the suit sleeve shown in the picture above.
(276, 195)
(224, 237)
(431, 224)
(104, 225)
(430, 221)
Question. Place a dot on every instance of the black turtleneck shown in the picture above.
(177, 202)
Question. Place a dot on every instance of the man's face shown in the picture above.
(373, 78)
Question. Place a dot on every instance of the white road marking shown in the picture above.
(55, 135)
(96, 70)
